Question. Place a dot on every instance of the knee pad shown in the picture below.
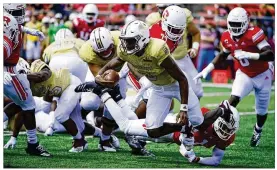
(153, 133)
(108, 122)
(90, 101)
(262, 101)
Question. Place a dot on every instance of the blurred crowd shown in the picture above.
(211, 19)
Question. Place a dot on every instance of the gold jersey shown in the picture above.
(182, 49)
(149, 63)
(63, 46)
(55, 85)
(89, 56)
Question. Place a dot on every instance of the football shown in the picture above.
(111, 75)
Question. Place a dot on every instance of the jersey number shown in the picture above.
(84, 35)
(244, 62)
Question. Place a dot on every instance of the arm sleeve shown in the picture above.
(259, 36)
(7, 48)
(215, 159)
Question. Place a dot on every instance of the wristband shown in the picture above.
(195, 45)
(184, 107)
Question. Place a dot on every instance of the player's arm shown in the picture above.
(175, 72)
(265, 54)
(41, 76)
(114, 63)
(215, 160)
(196, 37)
(218, 59)
(94, 68)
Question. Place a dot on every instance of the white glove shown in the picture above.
(204, 73)
(11, 143)
(192, 52)
(34, 32)
(40, 35)
(8, 78)
(239, 54)
(190, 155)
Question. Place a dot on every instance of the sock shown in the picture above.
(97, 132)
(78, 136)
(258, 128)
(32, 136)
(105, 137)
(5, 117)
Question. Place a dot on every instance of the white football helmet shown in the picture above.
(225, 129)
(72, 16)
(237, 21)
(63, 33)
(129, 18)
(90, 13)
(102, 42)
(22, 66)
(11, 29)
(16, 10)
(45, 20)
(174, 22)
(134, 37)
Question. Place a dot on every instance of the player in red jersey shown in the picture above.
(220, 134)
(84, 26)
(251, 51)
(16, 85)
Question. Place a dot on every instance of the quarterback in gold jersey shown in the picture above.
(182, 55)
(59, 84)
(151, 57)
(64, 53)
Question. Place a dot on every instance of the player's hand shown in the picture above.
(85, 87)
(40, 35)
(8, 78)
(190, 155)
(11, 143)
(182, 118)
(192, 52)
(100, 80)
(204, 73)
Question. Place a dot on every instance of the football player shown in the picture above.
(173, 26)
(64, 53)
(98, 51)
(17, 87)
(60, 84)
(83, 26)
(251, 52)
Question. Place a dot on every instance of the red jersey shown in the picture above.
(11, 56)
(83, 29)
(208, 137)
(248, 42)
(157, 32)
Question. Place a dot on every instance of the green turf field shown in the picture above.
(238, 155)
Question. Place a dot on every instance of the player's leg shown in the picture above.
(30, 51)
(37, 50)
(262, 98)
(21, 95)
(242, 86)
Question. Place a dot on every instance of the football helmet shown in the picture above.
(16, 10)
(22, 66)
(174, 22)
(134, 37)
(237, 21)
(102, 42)
(129, 18)
(225, 129)
(11, 29)
(63, 33)
(90, 13)
(45, 20)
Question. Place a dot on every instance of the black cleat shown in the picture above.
(143, 152)
(133, 142)
(255, 139)
(37, 150)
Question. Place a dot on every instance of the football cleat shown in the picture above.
(133, 142)
(106, 146)
(37, 150)
(115, 142)
(79, 145)
(143, 152)
(49, 132)
(255, 139)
